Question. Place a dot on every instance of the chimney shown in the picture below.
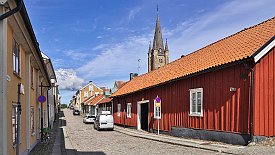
(91, 81)
(182, 56)
(133, 75)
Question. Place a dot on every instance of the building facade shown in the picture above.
(222, 92)
(22, 72)
(84, 93)
(52, 92)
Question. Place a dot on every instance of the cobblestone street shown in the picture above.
(86, 140)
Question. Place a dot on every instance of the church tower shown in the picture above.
(158, 56)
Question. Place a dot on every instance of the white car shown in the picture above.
(89, 119)
(104, 121)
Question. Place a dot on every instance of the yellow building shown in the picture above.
(84, 93)
(21, 64)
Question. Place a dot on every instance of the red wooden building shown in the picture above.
(224, 91)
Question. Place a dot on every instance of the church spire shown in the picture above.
(158, 56)
(158, 42)
(166, 46)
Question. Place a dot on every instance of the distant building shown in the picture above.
(89, 90)
(158, 55)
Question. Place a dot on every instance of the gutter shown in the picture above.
(251, 102)
(13, 11)
(20, 8)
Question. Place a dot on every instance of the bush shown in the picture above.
(63, 106)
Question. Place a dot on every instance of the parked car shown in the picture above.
(104, 120)
(76, 112)
(88, 118)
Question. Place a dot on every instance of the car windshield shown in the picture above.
(90, 116)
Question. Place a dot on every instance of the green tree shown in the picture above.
(63, 106)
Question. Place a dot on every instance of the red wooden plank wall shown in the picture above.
(222, 110)
(264, 109)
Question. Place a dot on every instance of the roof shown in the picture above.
(236, 47)
(88, 100)
(105, 100)
(96, 99)
(26, 19)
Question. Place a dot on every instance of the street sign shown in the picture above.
(41, 99)
(157, 108)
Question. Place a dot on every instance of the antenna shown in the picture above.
(138, 65)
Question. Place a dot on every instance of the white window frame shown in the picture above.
(16, 58)
(32, 121)
(91, 88)
(118, 109)
(14, 124)
(129, 110)
(86, 94)
(195, 112)
(32, 77)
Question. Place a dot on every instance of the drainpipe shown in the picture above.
(124, 112)
(251, 102)
(13, 11)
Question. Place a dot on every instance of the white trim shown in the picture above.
(139, 112)
(263, 52)
(196, 90)
(144, 101)
(118, 111)
(3, 85)
(90, 84)
(129, 113)
(28, 106)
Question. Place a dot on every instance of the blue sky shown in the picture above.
(102, 40)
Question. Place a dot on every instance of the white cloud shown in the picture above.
(76, 55)
(99, 37)
(117, 60)
(68, 80)
(133, 13)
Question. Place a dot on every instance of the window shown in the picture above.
(118, 109)
(16, 57)
(129, 110)
(91, 88)
(196, 102)
(85, 94)
(14, 124)
(32, 77)
(32, 121)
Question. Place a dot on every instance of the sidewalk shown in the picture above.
(62, 145)
(207, 145)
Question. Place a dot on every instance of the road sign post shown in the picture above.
(157, 110)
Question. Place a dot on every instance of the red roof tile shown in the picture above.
(230, 49)
(106, 100)
(96, 99)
